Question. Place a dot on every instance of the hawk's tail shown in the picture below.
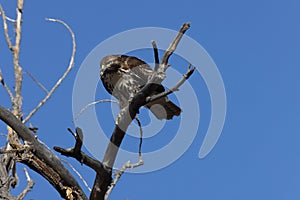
(163, 108)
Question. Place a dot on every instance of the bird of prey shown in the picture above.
(123, 76)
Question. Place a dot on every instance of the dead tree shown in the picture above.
(24, 147)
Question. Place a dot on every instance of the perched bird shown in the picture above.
(123, 76)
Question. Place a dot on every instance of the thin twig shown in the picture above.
(58, 83)
(156, 57)
(9, 19)
(11, 96)
(29, 185)
(173, 89)
(5, 27)
(37, 82)
(78, 174)
(91, 104)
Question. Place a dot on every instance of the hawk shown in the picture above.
(123, 76)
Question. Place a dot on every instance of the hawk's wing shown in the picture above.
(137, 67)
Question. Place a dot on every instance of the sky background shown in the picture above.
(256, 46)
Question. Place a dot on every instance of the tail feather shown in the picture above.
(163, 108)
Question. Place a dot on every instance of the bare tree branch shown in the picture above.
(37, 82)
(6, 87)
(17, 104)
(71, 65)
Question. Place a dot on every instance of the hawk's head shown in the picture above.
(111, 63)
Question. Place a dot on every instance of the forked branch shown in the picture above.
(76, 153)
(103, 174)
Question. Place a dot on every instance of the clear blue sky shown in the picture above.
(256, 46)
